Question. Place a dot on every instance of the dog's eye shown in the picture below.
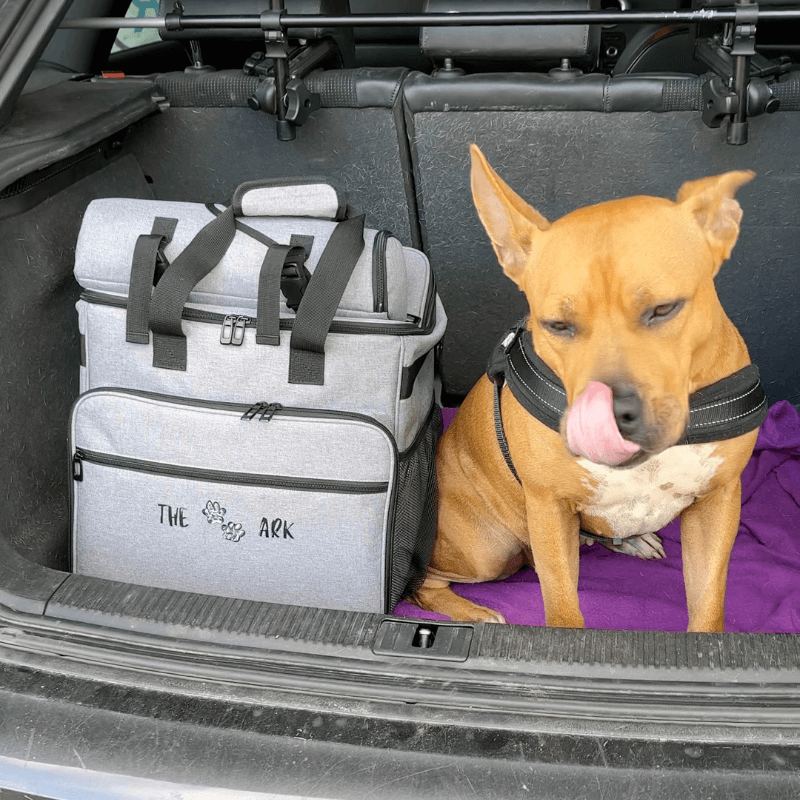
(662, 312)
(559, 327)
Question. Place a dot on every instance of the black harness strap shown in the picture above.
(503, 442)
(501, 435)
(724, 410)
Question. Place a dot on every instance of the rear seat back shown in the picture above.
(562, 144)
(357, 140)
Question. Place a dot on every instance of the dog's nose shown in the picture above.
(628, 412)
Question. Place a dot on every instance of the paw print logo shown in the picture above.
(232, 531)
(214, 513)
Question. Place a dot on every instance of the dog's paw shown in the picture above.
(647, 546)
(483, 614)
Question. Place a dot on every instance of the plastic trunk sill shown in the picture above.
(636, 655)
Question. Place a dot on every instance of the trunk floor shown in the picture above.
(622, 592)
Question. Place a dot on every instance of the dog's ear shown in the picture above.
(511, 223)
(712, 203)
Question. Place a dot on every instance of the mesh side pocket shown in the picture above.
(415, 512)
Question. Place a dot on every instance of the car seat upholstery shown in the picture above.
(562, 144)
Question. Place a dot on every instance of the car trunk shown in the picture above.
(591, 698)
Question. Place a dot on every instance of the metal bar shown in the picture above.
(285, 129)
(437, 20)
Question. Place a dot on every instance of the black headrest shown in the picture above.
(250, 7)
(503, 42)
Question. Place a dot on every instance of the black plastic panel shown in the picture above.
(559, 161)
(136, 734)
(59, 121)
(656, 655)
(218, 619)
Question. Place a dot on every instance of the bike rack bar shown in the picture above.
(439, 20)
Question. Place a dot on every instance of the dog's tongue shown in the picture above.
(592, 430)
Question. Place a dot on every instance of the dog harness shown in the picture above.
(725, 409)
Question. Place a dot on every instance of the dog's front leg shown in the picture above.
(708, 529)
(553, 531)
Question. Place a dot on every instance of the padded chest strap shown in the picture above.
(723, 410)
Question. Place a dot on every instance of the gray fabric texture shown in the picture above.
(329, 567)
(250, 519)
(362, 372)
(315, 200)
(270, 543)
(111, 228)
(177, 433)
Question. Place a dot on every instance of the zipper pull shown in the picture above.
(253, 410)
(77, 466)
(226, 336)
(269, 412)
(237, 336)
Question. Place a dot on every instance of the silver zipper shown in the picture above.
(233, 327)
(226, 336)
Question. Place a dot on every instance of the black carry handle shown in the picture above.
(148, 257)
(201, 255)
(270, 285)
(320, 301)
(283, 271)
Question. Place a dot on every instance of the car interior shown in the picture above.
(569, 115)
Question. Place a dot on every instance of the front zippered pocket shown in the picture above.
(221, 476)
(201, 496)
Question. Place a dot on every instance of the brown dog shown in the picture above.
(624, 311)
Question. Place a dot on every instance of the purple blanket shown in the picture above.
(626, 593)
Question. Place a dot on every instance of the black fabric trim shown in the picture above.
(320, 301)
(199, 257)
(501, 434)
(530, 378)
(723, 410)
(409, 376)
(268, 313)
(147, 253)
(737, 404)
(379, 283)
(302, 240)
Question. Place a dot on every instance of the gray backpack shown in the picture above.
(257, 416)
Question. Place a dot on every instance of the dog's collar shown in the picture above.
(723, 410)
